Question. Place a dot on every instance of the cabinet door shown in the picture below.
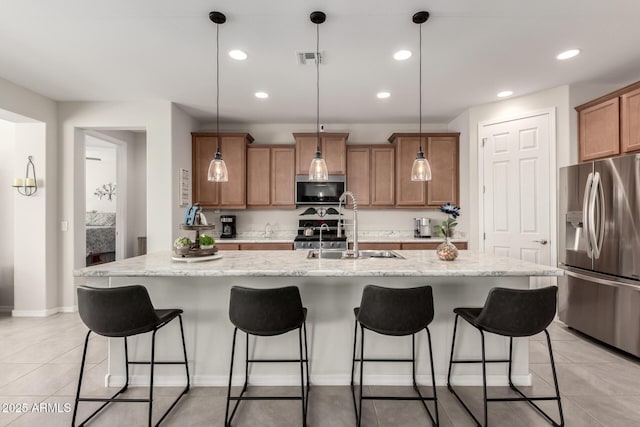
(334, 152)
(282, 176)
(630, 121)
(305, 151)
(442, 153)
(234, 152)
(258, 176)
(382, 176)
(599, 130)
(408, 193)
(266, 246)
(332, 145)
(203, 151)
(358, 173)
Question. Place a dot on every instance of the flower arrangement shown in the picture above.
(446, 227)
(182, 242)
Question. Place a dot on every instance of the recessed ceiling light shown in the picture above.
(383, 95)
(238, 55)
(262, 95)
(505, 93)
(401, 55)
(568, 54)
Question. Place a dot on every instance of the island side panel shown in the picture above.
(330, 323)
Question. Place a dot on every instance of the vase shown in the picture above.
(446, 250)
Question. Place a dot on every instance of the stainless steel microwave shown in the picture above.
(319, 192)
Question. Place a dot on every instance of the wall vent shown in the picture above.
(309, 57)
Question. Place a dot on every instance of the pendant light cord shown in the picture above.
(420, 87)
(218, 88)
(318, 88)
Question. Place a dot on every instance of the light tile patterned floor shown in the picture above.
(40, 357)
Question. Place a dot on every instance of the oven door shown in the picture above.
(319, 192)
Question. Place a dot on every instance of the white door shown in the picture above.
(516, 189)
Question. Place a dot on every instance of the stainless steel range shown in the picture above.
(309, 235)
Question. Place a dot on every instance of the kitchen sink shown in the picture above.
(329, 254)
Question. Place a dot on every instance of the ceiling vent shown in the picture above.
(309, 57)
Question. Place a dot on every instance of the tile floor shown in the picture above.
(40, 357)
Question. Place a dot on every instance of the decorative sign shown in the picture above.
(184, 187)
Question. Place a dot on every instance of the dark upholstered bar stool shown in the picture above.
(264, 313)
(395, 312)
(120, 313)
(510, 313)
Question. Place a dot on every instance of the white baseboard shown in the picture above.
(69, 309)
(34, 313)
(43, 313)
(319, 380)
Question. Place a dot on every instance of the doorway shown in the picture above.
(101, 201)
(518, 182)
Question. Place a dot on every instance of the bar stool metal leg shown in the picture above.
(302, 391)
(353, 367)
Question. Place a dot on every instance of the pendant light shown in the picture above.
(421, 170)
(217, 168)
(318, 167)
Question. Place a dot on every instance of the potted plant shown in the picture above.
(206, 241)
(182, 245)
(447, 251)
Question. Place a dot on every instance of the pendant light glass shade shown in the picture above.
(218, 170)
(318, 168)
(421, 170)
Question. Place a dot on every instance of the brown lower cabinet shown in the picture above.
(255, 246)
(428, 246)
(416, 246)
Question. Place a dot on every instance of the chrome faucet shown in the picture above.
(324, 225)
(342, 199)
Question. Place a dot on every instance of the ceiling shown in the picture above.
(123, 50)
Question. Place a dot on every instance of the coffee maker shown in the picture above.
(228, 226)
(422, 227)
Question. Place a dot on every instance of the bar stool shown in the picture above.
(510, 313)
(120, 313)
(265, 313)
(394, 312)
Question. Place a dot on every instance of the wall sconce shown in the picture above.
(29, 185)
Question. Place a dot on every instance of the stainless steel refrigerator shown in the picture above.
(600, 250)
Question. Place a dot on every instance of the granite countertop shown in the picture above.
(296, 264)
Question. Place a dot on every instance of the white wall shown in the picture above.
(99, 173)
(137, 185)
(558, 99)
(7, 195)
(153, 116)
(182, 126)
(37, 292)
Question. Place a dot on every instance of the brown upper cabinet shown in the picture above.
(233, 147)
(333, 148)
(610, 125)
(630, 121)
(441, 149)
(371, 174)
(270, 176)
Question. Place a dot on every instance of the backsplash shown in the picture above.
(284, 223)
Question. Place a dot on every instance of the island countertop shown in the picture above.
(295, 264)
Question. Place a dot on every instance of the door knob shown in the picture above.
(542, 242)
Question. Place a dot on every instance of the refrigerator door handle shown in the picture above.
(601, 215)
(592, 216)
(585, 216)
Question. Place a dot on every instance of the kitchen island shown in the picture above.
(330, 288)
